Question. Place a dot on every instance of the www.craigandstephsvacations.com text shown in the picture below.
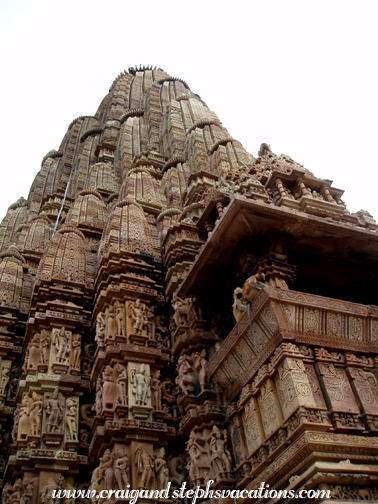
(263, 492)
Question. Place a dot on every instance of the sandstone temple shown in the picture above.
(174, 309)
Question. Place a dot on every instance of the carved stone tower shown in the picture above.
(174, 309)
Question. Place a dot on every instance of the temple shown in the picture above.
(174, 309)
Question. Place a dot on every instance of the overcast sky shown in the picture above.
(300, 75)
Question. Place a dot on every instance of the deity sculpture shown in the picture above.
(121, 384)
(24, 427)
(200, 363)
(5, 375)
(34, 352)
(71, 419)
(186, 377)
(141, 385)
(161, 470)
(106, 469)
(45, 345)
(156, 390)
(220, 457)
(55, 411)
(121, 470)
(97, 407)
(145, 467)
(62, 345)
(76, 351)
(111, 327)
(36, 414)
(196, 455)
(138, 314)
(100, 329)
(119, 318)
(108, 393)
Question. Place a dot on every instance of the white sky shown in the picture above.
(300, 75)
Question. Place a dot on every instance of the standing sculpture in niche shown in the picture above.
(34, 352)
(97, 407)
(186, 375)
(161, 470)
(145, 466)
(24, 427)
(5, 375)
(119, 318)
(138, 314)
(62, 345)
(220, 457)
(141, 385)
(156, 390)
(71, 419)
(55, 411)
(106, 469)
(121, 384)
(45, 346)
(111, 327)
(36, 414)
(100, 329)
(121, 469)
(76, 351)
(200, 363)
(184, 309)
(108, 393)
(196, 459)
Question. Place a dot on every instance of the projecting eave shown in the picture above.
(245, 218)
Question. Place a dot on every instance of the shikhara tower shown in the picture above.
(121, 361)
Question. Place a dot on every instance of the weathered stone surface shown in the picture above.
(144, 237)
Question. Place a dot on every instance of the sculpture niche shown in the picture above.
(191, 373)
(137, 322)
(112, 396)
(140, 391)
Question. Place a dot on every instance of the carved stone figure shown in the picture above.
(62, 345)
(121, 384)
(196, 457)
(138, 314)
(121, 469)
(45, 346)
(186, 375)
(20, 493)
(36, 414)
(200, 363)
(108, 393)
(161, 470)
(220, 457)
(24, 427)
(13, 383)
(98, 403)
(119, 318)
(145, 467)
(76, 351)
(55, 411)
(34, 352)
(71, 419)
(111, 327)
(141, 385)
(106, 469)
(100, 329)
(156, 390)
(5, 375)
(176, 467)
(184, 310)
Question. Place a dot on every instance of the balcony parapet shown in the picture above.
(284, 315)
